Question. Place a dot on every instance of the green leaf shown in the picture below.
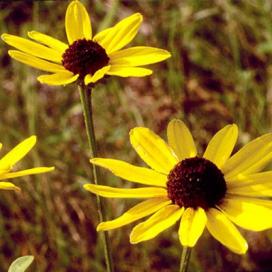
(21, 264)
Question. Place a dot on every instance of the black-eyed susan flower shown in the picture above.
(215, 191)
(11, 158)
(86, 56)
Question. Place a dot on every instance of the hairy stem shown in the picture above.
(86, 101)
(185, 258)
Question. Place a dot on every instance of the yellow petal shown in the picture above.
(132, 173)
(8, 186)
(61, 78)
(181, 140)
(139, 211)
(17, 153)
(35, 62)
(259, 190)
(250, 179)
(192, 226)
(139, 55)
(248, 213)
(48, 40)
(225, 232)
(161, 220)
(153, 150)
(102, 35)
(121, 34)
(251, 158)
(97, 75)
(258, 185)
(32, 171)
(77, 22)
(32, 48)
(107, 191)
(221, 145)
(127, 71)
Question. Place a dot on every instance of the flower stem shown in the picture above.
(86, 101)
(185, 257)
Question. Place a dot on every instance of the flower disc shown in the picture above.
(84, 57)
(196, 182)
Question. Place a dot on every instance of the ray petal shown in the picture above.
(139, 55)
(259, 190)
(32, 48)
(153, 150)
(77, 22)
(121, 34)
(181, 140)
(60, 78)
(139, 211)
(132, 173)
(17, 153)
(32, 171)
(161, 220)
(8, 186)
(251, 158)
(192, 225)
(221, 145)
(35, 62)
(248, 213)
(99, 37)
(127, 71)
(97, 75)
(225, 232)
(262, 178)
(48, 40)
(111, 192)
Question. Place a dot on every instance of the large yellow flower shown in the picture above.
(11, 158)
(86, 57)
(212, 191)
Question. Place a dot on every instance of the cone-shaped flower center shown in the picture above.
(84, 57)
(196, 182)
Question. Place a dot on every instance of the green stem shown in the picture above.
(185, 258)
(86, 101)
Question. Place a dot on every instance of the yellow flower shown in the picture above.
(86, 57)
(11, 158)
(212, 191)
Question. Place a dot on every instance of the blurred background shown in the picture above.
(220, 73)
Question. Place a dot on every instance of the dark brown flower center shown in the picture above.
(196, 182)
(84, 57)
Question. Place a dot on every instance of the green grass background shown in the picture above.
(220, 73)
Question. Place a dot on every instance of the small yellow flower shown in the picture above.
(86, 57)
(11, 158)
(212, 191)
